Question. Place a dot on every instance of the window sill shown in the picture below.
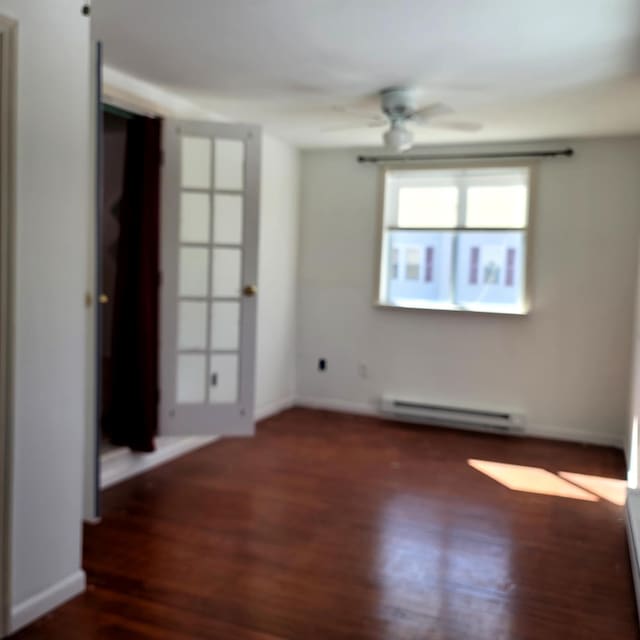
(475, 309)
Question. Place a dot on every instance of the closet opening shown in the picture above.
(128, 280)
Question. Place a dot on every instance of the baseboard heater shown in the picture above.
(448, 416)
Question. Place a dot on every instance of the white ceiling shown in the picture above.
(525, 69)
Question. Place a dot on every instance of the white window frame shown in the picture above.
(386, 211)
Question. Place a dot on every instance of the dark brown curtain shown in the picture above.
(133, 416)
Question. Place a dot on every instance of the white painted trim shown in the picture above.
(36, 606)
(272, 408)
(533, 431)
(8, 54)
(341, 406)
(92, 354)
(632, 517)
(573, 435)
(121, 464)
(140, 96)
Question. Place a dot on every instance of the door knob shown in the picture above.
(103, 298)
(250, 290)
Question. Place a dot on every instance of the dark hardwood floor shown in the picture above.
(332, 526)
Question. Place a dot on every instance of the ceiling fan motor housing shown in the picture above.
(399, 103)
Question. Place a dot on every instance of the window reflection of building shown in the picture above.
(473, 265)
(511, 267)
(428, 265)
(412, 263)
(491, 273)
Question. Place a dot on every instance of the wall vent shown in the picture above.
(449, 416)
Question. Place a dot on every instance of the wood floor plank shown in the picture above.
(329, 526)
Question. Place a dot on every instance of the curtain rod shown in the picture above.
(551, 153)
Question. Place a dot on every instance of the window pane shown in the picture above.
(227, 219)
(223, 380)
(196, 163)
(191, 378)
(192, 325)
(225, 325)
(419, 270)
(195, 211)
(193, 269)
(226, 273)
(229, 165)
(490, 269)
(395, 263)
(427, 207)
(502, 206)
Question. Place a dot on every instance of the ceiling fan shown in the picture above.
(399, 107)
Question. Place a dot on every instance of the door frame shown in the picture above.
(102, 94)
(91, 506)
(8, 35)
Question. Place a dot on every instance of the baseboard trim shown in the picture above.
(533, 431)
(571, 435)
(632, 517)
(122, 464)
(340, 406)
(35, 607)
(272, 408)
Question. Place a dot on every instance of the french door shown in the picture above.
(209, 244)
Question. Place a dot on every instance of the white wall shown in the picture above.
(566, 365)
(53, 204)
(277, 276)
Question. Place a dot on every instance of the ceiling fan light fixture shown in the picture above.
(398, 138)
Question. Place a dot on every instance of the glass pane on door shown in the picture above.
(196, 163)
(225, 326)
(229, 165)
(211, 210)
(227, 220)
(191, 378)
(223, 379)
(195, 213)
(192, 325)
(226, 272)
(193, 271)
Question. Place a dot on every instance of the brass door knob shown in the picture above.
(250, 290)
(104, 298)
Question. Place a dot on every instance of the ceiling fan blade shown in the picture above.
(354, 126)
(359, 113)
(455, 126)
(431, 111)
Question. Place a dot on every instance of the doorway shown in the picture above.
(114, 140)
(207, 229)
(129, 279)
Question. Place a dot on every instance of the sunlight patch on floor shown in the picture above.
(531, 480)
(609, 489)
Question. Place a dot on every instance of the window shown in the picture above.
(455, 239)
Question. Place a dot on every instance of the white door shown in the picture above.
(209, 244)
